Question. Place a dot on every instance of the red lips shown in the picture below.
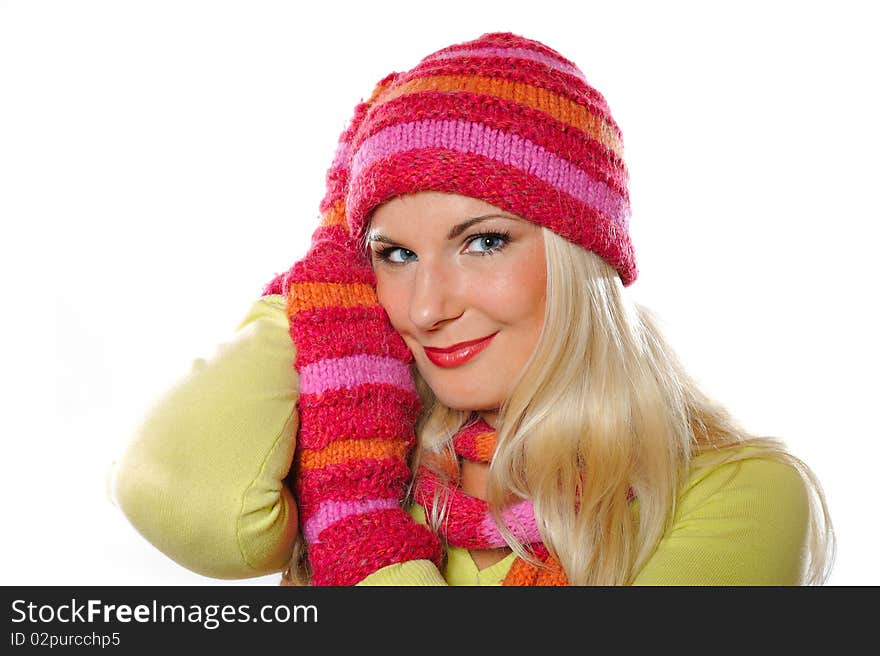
(457, 354)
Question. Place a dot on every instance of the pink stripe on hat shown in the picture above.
(509, 149)
(551, 132)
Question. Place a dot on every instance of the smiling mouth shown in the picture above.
(458, 354)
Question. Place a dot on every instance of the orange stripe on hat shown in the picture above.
(335, 216)
(552, 104)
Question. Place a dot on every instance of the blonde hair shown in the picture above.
(604, 405)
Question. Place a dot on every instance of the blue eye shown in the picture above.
(384, 254)
(489, 243)
(488, 238)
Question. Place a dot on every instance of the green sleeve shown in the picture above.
(202, 478)
(740, 523)
(412, 572)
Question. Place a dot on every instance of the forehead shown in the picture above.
(431, 210)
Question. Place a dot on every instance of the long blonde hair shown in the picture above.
(604, 405)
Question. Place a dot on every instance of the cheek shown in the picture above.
(391, 297)
(518, 294)
(533, 282)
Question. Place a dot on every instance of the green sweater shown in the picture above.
(203, 480)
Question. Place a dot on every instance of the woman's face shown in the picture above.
(453, 269)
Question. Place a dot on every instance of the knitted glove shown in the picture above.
(357, 406)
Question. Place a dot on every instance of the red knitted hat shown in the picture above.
(506, 120)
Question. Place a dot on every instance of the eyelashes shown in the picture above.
(501, 236)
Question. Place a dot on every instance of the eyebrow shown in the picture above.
(454, 232)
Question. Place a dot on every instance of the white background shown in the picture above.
(161, 161)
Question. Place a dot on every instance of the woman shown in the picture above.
(476, 401)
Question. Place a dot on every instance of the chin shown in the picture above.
(466, 400)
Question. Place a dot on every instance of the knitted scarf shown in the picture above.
(468, 523)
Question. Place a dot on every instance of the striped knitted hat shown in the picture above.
(506, 120)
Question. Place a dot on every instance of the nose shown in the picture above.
(436, 295)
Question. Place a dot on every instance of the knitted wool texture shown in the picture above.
(503, 119)
(506, 120)
(357, 405)
(469, 524)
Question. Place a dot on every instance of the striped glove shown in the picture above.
(357, 407)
